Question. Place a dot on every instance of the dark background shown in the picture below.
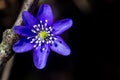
(94, 40)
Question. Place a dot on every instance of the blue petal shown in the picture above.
(45, 13)
(62, 25)
(40, 56)
(28, 19)
(23, 31)
(22, 45)
(60, 47)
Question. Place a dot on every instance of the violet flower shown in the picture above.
(40, 34)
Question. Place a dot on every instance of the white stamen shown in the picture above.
(52, 42)
(33, 31)
(50, 38)
(45, 24)
(41, 21)
(46, 21)
(28, 37)
(35, 46)
(37, 41)
(46, 29)
(49, 41)
(36, 37)
(38, 25)
(51, 34)
(43, 41)
(39, 45)
(48, 34)
(35, 26)
(43, 49)
(42, 27)
(37, 29)
(55, 38)
(32, 41)
(50, 27)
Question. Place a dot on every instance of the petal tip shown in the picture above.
(39, 67)
(70, 22)
(67, 53)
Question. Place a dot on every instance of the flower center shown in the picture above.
(43, 34)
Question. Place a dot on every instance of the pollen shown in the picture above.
(43, 34)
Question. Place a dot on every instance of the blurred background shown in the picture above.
(94, 40)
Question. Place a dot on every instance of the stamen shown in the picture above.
(55, 38)
(35, 26)
(36, 37)
(38, 25)
(43, 49)
(35, 46)
(37, 29)
(46, 29)
(32, 40)
(51, 34)
(45, 24)
(42, 27)
(39, 45)
(41, 21)
(50, 27)
(50, 38)
(33, 31)
(37, 41)
(48, 34)
(46, 21)
(43, 41)
(49, 41)
(28, 37)
(52, 42)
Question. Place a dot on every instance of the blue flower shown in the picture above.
(40, 34)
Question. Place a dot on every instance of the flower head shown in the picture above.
(40, 34)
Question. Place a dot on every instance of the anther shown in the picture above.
(38, 25)
(35, 46)
(37, 41)
(41, 21)
(35, 26)
(46, 21)
(39, 45)
(36, 37)
(43, 49)
(28, 37)
(43, 41)
(45, 24)
(50, 38)
(46, 29)
(37, 29)
(33, 31)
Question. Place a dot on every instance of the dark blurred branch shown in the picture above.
(9, 37)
